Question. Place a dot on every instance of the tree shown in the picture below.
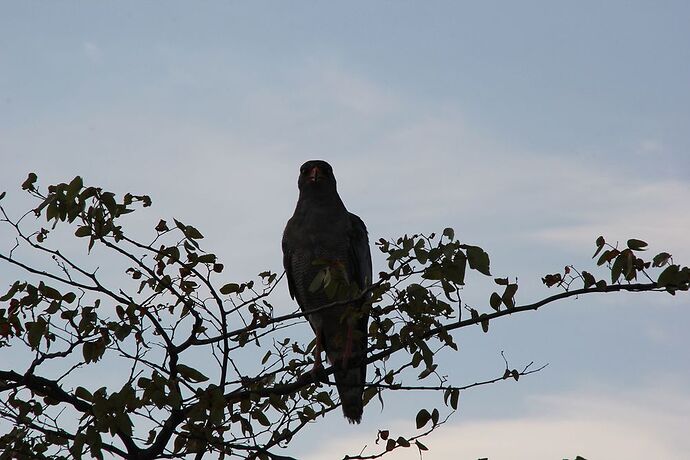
(172, 310)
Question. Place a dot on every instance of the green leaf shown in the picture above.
(191, 374)
(318, 281)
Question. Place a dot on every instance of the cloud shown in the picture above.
(647, 422)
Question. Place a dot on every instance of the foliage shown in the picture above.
(158, 325)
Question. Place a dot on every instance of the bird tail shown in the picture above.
(350, 389)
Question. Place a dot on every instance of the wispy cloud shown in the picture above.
(597, 423)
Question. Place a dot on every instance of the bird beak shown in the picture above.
(314, 174)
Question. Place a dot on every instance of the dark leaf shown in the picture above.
(484, 322)
(191, 374)
(230, 288)
(637, 245)
(422, 418)
(83, 231)
(495, 301)
(478, 259)
(29, 182)
(403, 442)
(661, 259)
(508, 297)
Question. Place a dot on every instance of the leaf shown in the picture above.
(69, 297)
(617, 268)
(661, 259)
(403, 442)
(28, 184)
(207, 259)
(426, 372)
(600, 245)
(484, 322)
(192, 233)
(478, 259)
(317, 281)
(669, 276)
(230, 288)
(637, 245)
(449, 232)
(49, 292)
(390, 445)
(420, 446)
(191, 374)
(501, 281)
(83, 393)
(508, 297)
(162, 226)
(454, 396)
(422, 418)
(261, 418)
(588, 279)
(495, 301)
(74, 187)
(82, 231)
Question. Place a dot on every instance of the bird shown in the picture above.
(323, 235)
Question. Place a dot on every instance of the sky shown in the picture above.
(530, 127)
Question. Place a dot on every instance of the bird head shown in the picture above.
(316, 176)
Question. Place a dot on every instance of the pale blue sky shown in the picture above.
(530, 127)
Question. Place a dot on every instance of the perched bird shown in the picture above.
(323, 235)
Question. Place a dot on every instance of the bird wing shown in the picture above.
(360, 255)
(287, 265)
